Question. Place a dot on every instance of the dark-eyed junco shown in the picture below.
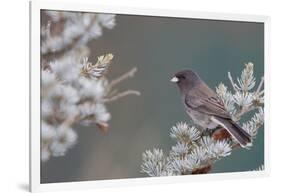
(205, 108)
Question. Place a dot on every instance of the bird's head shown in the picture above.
(185, 79)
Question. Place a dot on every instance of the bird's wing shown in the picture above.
(205, 100)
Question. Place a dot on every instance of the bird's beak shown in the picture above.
(174, 79)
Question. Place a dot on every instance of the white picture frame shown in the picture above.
(36, 6)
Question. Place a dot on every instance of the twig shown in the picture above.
(232, 82)
(120, 95)
(125, 76)
(261, 93)
(243, 111)
(260, 86)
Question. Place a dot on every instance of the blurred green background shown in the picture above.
(159, 47)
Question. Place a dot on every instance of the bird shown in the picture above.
(204, 106)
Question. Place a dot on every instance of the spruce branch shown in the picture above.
(74, 91)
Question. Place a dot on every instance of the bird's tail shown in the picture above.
(235, 130)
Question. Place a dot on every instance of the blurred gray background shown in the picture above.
(159, 47)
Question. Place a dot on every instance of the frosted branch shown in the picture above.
(74, 90)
